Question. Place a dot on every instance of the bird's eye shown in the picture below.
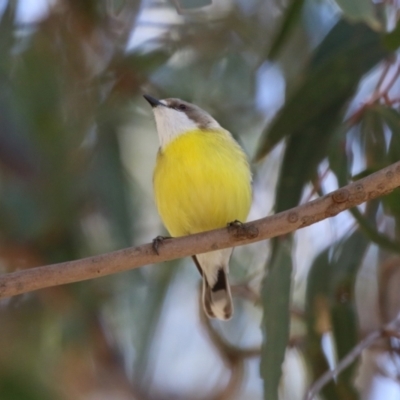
(182, 107)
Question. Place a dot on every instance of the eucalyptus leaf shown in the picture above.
(291, 18)
(7, 39)
(109, 181)
(359, 10)
(345, 264)
(373, 138)
(339, 63)
(317, 316)
(153, 308)
(193, 4)
(275, 325)
(391, 202)
(18, 386)
(331, 281)
(392, 39)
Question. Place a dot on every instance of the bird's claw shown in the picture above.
(157, 241)
(242, 231)
(235, 224)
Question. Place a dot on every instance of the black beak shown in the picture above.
(152, 101)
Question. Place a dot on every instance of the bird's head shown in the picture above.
(175, 117)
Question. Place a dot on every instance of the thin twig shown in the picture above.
(381, 79)
(389, 328)
(392, 81)
(178, 7)
(375, 185)
(377, 95)
(245, 291)
(229, 352)
(392, 333)
(316, 185)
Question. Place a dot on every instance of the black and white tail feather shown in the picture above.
(216, 292)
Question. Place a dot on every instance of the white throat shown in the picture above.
(172, 123)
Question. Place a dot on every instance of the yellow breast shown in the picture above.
(202, 181)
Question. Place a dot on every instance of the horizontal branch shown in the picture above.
(375, 185)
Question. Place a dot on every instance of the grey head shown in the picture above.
(176, 117)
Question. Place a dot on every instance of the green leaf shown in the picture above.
(308, 120)
(20, 216)
(292, 15)
(336, 69)
(375, 149)
(153, 308)
(346, 261)
(21, 386)
(109, 181)
(275, 325)
(372, 232)
(17, 151)
(345, 331)
(331, 279)
(392, 39)
(7, 20)
(394, 146)
(337, 156)
(145, 63)
(373, 139)
(391, 202)
(359, 10)
(192, 4)
(316, 301)
(302, 155)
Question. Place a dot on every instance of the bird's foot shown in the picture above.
(157, 241)
(242, 231)
(235, 224)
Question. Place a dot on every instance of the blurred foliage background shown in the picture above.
(308, 87)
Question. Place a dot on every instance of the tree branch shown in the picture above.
(375, 185)
(390, 329)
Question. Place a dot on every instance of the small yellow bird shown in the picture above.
(202, 181)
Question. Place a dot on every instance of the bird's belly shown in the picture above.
(201, 207)
(198, 193)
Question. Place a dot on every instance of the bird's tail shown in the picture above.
(217, 300)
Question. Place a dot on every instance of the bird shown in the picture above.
(201, 181)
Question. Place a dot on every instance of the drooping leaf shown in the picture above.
(345, 265)
(392, 39)
(109, 181)
(19, 386)
(193, 4)
(372, 232)
(153, 308)
(318, 319)
(302, 155)
(7, 40)
(373, 140)
(391, 202)
(391, 118)
(309, 119)
(359, 10)
(292, 15)
(17, 152)
(331, 281)
(275, 324)
(337, 66)
(371, 132)
(338, 157)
